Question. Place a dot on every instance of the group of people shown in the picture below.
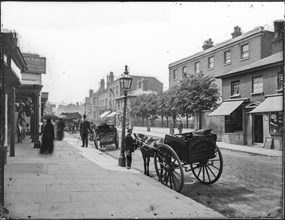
(129, 142)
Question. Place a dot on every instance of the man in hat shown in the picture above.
(84, 129)
(129, 147)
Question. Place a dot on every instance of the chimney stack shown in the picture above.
(102, 85)
(90, 92)
(237, 32)
(277, 39)
(207, 44)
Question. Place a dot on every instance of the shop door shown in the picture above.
(258, 128)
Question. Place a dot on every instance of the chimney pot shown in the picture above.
(207, 44)
(237, 32)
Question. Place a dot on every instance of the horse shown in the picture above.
(146, 146)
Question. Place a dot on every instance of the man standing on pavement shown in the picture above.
(129, 147)
(180, 127)
(84, 129)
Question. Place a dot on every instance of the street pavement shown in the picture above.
(160, 132)
(84, 183)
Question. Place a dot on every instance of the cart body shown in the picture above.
(106, 135)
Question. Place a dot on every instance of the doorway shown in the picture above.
(258, 129)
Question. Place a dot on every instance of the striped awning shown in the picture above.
(112, 114)
(104, 114)
(226, 108)
(270, 104)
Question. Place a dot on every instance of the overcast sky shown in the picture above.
(85, 41)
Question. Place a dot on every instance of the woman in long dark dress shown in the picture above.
(47, 138)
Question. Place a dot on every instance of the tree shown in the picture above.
(144, 106)
(168, 103)
(196, 93)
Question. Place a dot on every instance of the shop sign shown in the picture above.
(35, 63)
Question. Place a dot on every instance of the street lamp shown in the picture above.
(125, 83)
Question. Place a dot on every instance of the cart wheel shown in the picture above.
(208, 171)
(168, 167)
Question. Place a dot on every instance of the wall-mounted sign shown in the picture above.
(16, 69)
(35, 63)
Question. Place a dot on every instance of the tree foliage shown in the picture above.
(194, 93)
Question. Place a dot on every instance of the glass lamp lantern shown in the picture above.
(126, 80)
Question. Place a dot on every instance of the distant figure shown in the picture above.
(180, 127)
(73, 128)
(171, 129)
(19, 131)
(47, 138)
(84, 129)
(129, 147)
(60, 129)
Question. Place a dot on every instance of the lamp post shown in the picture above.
(125, 83)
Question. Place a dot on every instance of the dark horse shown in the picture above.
(146, 145)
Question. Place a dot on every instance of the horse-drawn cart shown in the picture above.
(192, 151)
(106, 135)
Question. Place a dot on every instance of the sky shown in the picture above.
(84, 41)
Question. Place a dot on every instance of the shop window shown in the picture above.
(197, 67)
(233, 122)
(244, 51)
(257, 84)
(227, 57)
(280, 81)
(175, 74)
(211, 63)
(276, 121)
(235, 88)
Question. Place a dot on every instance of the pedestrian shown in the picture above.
(19, 131)
(84, 129)
(180, 127)
(129, 147)
(47, 145)
(60, 128)
(171, 129)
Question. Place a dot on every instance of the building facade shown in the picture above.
(107, 102)
(243, 51)
(215, 60)
(252, 110)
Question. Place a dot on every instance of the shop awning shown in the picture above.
(226, 108)
(112, 114)
(104, 114)
(270, 104)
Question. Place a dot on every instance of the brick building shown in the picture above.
(222, 60)
(251, 111)
(107, 102)
(215, 60)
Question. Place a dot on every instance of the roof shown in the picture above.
(255, 31)
(275, 58)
